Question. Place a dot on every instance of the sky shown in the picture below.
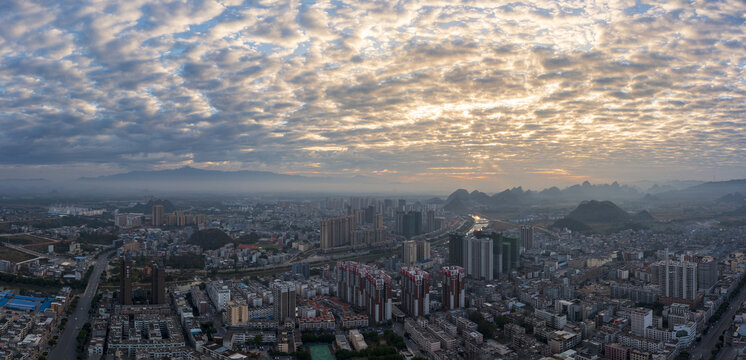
(478, 93)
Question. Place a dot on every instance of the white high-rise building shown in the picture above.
(409, 252)
(641, 318)
(219, 293)
(678, 279)
(479, 258)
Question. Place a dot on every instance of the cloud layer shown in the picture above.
(521, 92)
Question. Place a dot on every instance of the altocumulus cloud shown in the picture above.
(406, 90)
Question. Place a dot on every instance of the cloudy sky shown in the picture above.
(475, 93)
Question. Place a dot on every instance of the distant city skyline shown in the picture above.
(481, 95)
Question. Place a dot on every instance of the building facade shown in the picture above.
(707, 273)
(454, 284)
(158, 284)
(415, 287)
(219, 294)
(125, 281)
(157, 215)
(456, 250)
(527, 237)
(479, 258)
(337, 232)
(284, 306)
(366, 288)
(678, 279)
(409, 252)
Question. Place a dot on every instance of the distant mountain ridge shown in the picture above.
(733, 198)
(516, 197)
(194, 180)
(462, 201)
(709, 191)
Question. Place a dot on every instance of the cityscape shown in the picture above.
(381, 180)
(373, 277)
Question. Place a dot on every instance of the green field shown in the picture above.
(320, 352)
(11, 255)
(268, 246)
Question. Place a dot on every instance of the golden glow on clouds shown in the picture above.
(499, 92)
(550, 171)
(325, 148)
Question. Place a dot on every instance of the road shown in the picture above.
(67, 343)
(708, 342)
(727, 353)
(331, 258)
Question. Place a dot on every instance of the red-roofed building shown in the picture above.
(415, 285)
(354, 321)
(366, 288)
(454, 280)
(322, 317)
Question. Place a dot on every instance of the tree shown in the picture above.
(210, 239)
(502, 320)
(485, 327)
(258, 339)
(96, 238)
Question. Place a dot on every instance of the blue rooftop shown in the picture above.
(46, 304)
(19, 297)
(16, 304)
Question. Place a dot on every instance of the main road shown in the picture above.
(65, 349)
(707, 344)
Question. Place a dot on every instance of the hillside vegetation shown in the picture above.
(210, 239)
(602, 216)
(598, 211)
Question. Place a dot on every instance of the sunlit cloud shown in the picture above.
(501, 93)
(325, 148)
(384, 172)
(549, 171)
